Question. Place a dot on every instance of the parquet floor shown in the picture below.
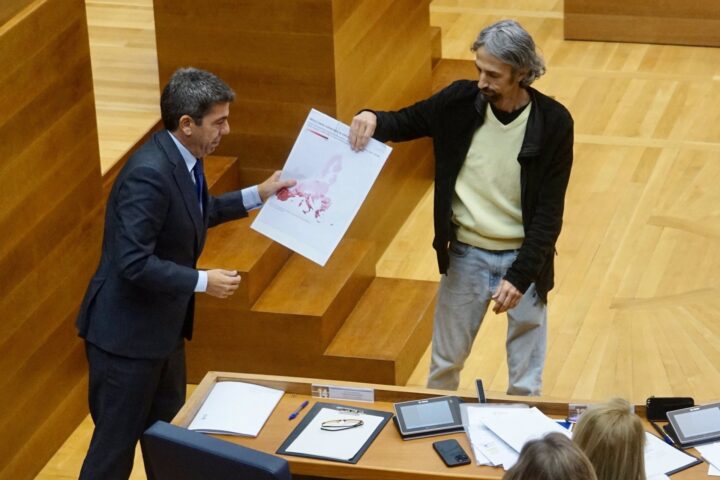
(636, 307)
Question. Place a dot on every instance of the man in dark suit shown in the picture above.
(139, 305)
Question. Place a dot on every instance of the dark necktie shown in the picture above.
(199, 180)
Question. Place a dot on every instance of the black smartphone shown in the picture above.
(451, 452)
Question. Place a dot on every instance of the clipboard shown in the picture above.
(346, 446)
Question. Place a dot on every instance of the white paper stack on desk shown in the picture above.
(497, 433)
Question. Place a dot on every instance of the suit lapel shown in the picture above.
(185, 186)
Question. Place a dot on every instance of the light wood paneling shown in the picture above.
(679, 22)
(49, 211)
(9, 8)
(276, 55)
(125, 74)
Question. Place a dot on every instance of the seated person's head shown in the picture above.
(613, 438)
(553, 457)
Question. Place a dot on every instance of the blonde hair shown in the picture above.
(613, 438)
(553, 457)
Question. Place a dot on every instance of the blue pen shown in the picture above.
(298, 410)
(663, 435)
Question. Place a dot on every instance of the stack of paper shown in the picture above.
(497, 434)
(236, 408)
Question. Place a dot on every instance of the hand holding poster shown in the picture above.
(311, 217)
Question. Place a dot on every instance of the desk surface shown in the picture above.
(389, 457)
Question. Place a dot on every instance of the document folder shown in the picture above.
(347, 445)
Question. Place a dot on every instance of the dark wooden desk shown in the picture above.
(389, 457)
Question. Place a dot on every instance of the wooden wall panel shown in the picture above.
(50, 217)
(382, 61)
(9, 8)
(283, 58)
(681, 22)
(275, 54)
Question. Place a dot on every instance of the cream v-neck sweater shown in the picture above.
(486, 203)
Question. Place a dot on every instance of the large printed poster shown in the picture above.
(332, 182)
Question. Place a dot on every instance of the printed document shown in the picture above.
(487, 447)
(661, 458)
(517, 426)
(711, 454)
(332, 183)
(236, 408)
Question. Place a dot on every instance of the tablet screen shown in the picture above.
(423, 415)
(699, 422)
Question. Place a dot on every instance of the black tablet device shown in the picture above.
(696, 425)
(427, 417)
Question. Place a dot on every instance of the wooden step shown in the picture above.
(221, 174)
(435, 45)
(447, 71)
(236, 246)
(292, 322)
(387, 332)
(303, 288)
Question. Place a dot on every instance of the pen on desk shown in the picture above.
(298, 410)
(663, 435)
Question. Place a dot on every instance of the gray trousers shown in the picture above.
(463, 299)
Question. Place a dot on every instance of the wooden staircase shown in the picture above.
(290, 316)
(293, 317)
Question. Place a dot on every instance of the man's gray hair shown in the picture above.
(513, 45)
(192, 92)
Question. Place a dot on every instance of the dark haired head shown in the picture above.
(191, 92)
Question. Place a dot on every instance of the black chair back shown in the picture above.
(174, 453)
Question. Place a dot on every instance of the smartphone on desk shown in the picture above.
(451, 453)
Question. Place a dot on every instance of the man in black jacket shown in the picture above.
(503, 154)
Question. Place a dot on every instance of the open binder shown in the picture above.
(308, 439)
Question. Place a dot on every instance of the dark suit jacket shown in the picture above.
(140, 302)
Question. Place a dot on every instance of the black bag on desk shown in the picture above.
(656, 408)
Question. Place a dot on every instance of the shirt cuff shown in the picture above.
(201, 285)
(251, 198)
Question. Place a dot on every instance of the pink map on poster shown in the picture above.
(311, 217)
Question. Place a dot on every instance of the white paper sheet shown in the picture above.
(517, 426)
(333, 181)
(661, 458)
(340, 444)
(711, 453)
(236, 408)
(487, 443)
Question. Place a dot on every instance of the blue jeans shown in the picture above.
(463, 299)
